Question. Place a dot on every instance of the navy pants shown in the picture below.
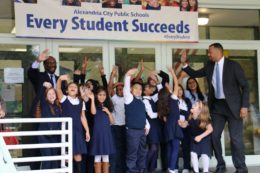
(136, 152)
(117, 160)
(49, 152)
(173, 151)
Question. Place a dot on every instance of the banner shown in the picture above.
(146, 20)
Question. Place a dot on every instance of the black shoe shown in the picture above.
(246, 171)
(221, 170)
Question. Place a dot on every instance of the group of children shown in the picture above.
(134, 117)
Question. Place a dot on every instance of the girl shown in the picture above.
(50, 107)
(168, 110)
(185, 106)
(156, 86)
(184, 5)
(73, 107)
(201, 129)
(193, 91)
(155, 134)
(101, 144)
(193, 5)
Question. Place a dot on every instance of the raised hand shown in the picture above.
(153, 76)
(84, 62)
(101, 68)
(82, 90)
(89, 94)
(131, 72)
(183, 57)
(77, 72)
(64, 77)
(141, 63)
(114, 71)
(43, 55)
(47, 85)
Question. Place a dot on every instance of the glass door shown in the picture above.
(73, 53)
(133, 55)
(16, 56)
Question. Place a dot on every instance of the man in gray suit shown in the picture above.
(228, 101)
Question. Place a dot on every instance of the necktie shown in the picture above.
(52, 80)
(218, 83)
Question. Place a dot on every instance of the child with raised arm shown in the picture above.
(117, 160)
(155, 134)
(168, 110)
(136, 124)
(201, 128)
(73, 107)
(101, 144)
(50, 108)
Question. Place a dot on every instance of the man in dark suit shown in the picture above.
(228, 101)
(38, 78)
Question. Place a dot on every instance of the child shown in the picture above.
(153, 5)
(156, 86)
(101, 144)
(201, 129)
(184, 106)
(155, 135)
(184, 5)
(136, 124)
(168, 110)
(73, 107)
(50, 107)
(117, 160)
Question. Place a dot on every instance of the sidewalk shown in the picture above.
(251, 169)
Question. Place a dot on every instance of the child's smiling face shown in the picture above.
(51, 95)
(196, 109)
(72, 90)
(101, 96)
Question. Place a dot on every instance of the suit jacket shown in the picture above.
(235, 85)
(37, 79)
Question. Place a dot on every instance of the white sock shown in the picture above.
(195, 161)
(205, 162)
(105, 158)
(97, 158)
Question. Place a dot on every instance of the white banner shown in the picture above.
(51, 19)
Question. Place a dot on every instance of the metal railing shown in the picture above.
(65, 145)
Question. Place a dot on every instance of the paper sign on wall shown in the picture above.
(13, 75)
